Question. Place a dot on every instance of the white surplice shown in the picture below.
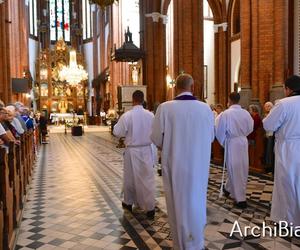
(232, 127)
(139, 180)
(184, 129)
(284, 120)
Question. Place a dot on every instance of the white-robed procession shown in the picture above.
(138, 183)
(284, 120)
(185, 157)
(185, 162)
(232, 127)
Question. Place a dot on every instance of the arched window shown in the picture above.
(33, 18)
(131, 18)
(59, 20)
(87, 20)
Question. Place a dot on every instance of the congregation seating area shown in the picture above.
(256, 153)
(16, 164)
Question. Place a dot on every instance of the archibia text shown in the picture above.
(280, 229)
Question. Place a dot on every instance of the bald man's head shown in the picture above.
(184, 83)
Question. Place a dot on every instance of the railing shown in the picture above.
(15, 175)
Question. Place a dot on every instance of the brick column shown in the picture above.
(5, 89)
(245, 83)
(280, 47)
(153, 43)
(188, 40)
(221, 66)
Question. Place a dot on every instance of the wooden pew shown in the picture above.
(30, 154)
(23, 163)
(2, 197)
(7, 187)
(1, 225)
(20, 171)
(256, 152)
(15, 178)
(217, 153)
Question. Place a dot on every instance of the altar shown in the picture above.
(68, 118)
(53, 93)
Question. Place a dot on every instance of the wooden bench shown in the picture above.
(7, 187)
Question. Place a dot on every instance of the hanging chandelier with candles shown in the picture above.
(103, 3)
(74, 73)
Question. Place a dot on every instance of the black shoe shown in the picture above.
(150, 214)
(127, 207)
(241, 204)
(226, 193)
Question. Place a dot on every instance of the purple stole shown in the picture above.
(185, 98)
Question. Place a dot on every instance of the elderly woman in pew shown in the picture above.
(6, 134)
(14, 122)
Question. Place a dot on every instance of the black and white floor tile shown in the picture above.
(74, 203)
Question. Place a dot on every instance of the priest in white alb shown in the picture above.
(139, 179)
(232, 127)
(284, 120)
(184, 129)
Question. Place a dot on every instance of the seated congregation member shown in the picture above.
(284, 120)
(27, 119)
(253, 110)
(14, 121)
(184, 130)
(139, 180)
(232, 128)
(8, 135)
(269, 142)
(19, 108)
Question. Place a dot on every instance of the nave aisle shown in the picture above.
(74, 203)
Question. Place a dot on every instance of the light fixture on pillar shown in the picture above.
(103, 3)
(170, 81)
(73, 74)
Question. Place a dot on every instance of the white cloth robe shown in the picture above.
(139, 179)
(184, 129)
(284, 120)
(232, 127)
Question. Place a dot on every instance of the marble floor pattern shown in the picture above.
(74, 203)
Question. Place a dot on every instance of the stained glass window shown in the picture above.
(33, 18)
(59, 20)
(87, 20)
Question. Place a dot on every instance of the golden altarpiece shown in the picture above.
(56, 96)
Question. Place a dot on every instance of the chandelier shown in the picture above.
(73, 74)
(103, 3)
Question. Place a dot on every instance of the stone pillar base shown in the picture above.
(246, 94)
(276, 92)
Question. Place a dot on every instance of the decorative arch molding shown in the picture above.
(232, 12)
(215, 5)
(164, 6)
(216, 8)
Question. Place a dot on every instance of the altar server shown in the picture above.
(139, 180)
(284, 120)
(184, 129)
(232, 127)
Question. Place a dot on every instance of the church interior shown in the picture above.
(71, 66)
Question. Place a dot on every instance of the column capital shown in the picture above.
(155, 17)
(223, 25)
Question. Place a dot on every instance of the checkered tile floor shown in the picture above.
(74, 203)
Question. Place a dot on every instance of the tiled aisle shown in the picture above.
(74, 203)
